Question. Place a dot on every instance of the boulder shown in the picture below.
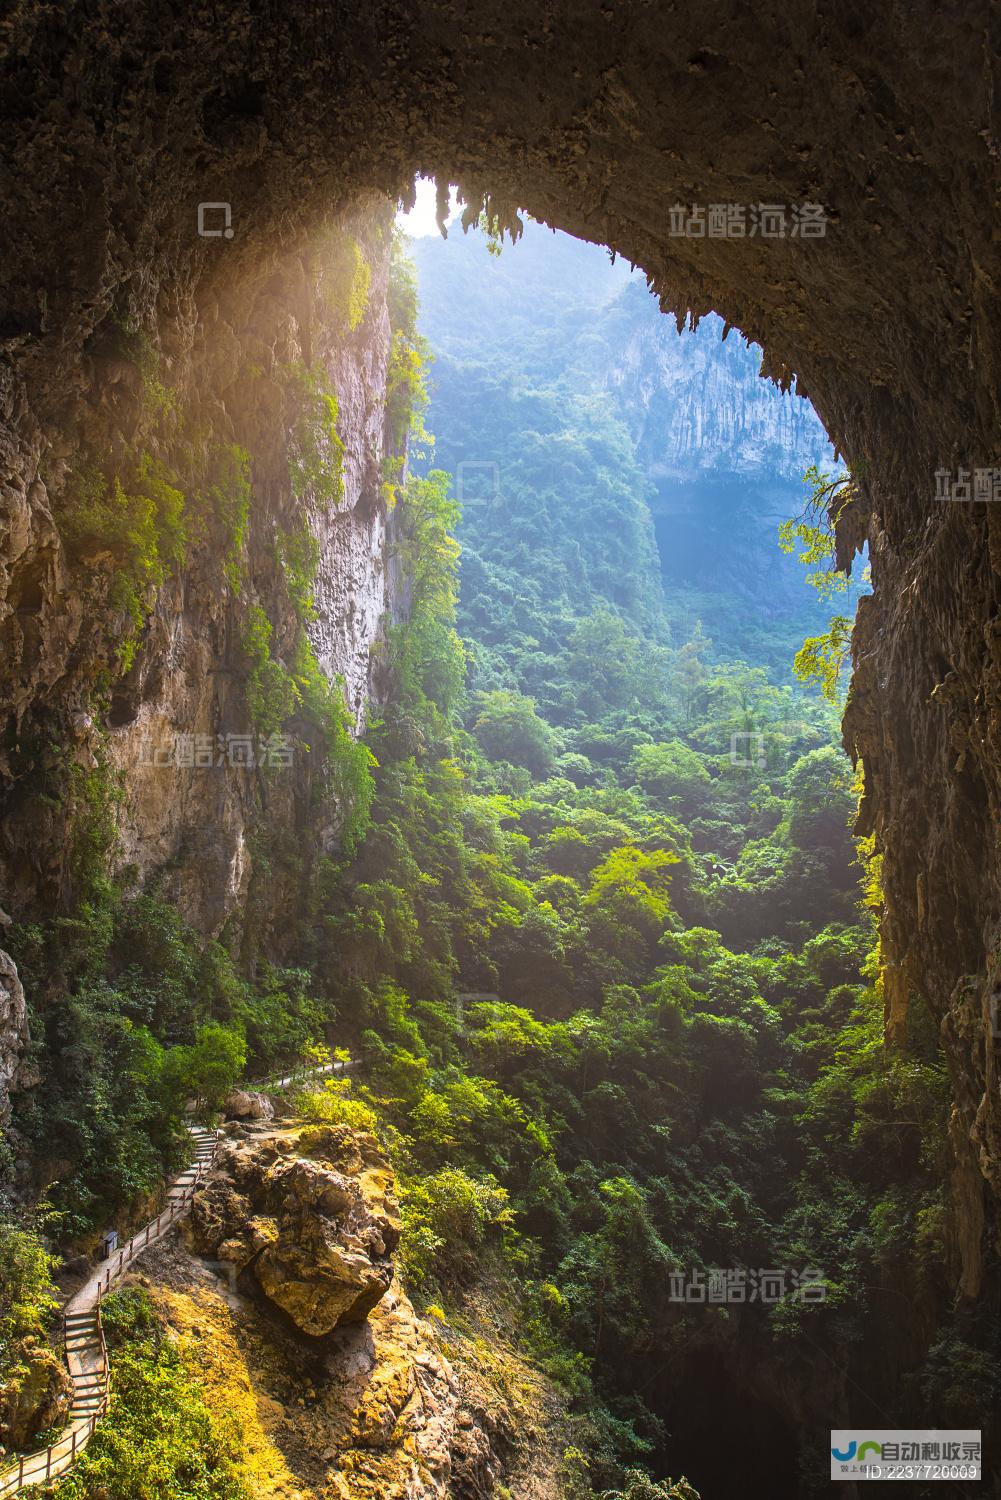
(311, 1215)
(245, 1104)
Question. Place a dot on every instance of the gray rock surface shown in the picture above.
(13, 1032)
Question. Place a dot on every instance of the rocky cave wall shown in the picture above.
(261, 407)
(193, 825)
(598, 117)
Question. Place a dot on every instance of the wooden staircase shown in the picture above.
(86, 1350)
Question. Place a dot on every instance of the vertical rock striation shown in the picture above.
(284, 522)
(13, 1032)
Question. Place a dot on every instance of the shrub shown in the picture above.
(271, 694)
(229, 497)
(159, 1437)
(316, 460)
(446, 1219)
(28, 1300)
(142, 529)
(333, 1105)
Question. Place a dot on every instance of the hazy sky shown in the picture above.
(420, 221)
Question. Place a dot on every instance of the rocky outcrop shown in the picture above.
(308, 1219)
(397, 1407)
(312, 1216)
(397, 1424)
(247, 1104)
(13, 1032)
(36, 1397)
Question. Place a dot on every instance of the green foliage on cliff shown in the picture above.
(229, 497)
(316, 449)
(347, 279)
(299, 556)
(347, 762)
(159, 1437)
(821, 659)
(141, 529)
(812, 532)
(136, 344)
(271, 694)
(409, 353)
(283, 697)
(361, 281)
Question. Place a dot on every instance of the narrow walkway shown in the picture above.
(86, 1351)
(289, 1080)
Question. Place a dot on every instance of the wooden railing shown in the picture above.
(297, 1077)
(38, 1468)
(154, 1229)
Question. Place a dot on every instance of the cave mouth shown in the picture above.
(728, 1435)
(602, 123)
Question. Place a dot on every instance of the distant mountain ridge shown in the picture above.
(694, 402)
(551, 333)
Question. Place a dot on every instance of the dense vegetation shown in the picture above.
(606, 949)
(160, 1437)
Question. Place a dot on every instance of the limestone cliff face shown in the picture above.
(198, 820)
(156, 685)
(697, 404)
(213, 498)
(725, 453)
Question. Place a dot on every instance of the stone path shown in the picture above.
(86, 1351)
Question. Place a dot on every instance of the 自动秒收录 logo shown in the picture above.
(855, 1452)
(918, 1453)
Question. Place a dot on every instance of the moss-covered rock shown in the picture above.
(319, 1234)
(35, 1394)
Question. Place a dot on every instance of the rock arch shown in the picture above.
(598, 116)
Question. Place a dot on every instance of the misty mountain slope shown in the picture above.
(548, 344)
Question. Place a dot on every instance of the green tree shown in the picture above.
(508, 728)
(672, 773)
(821, 801)
(208, 1069)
